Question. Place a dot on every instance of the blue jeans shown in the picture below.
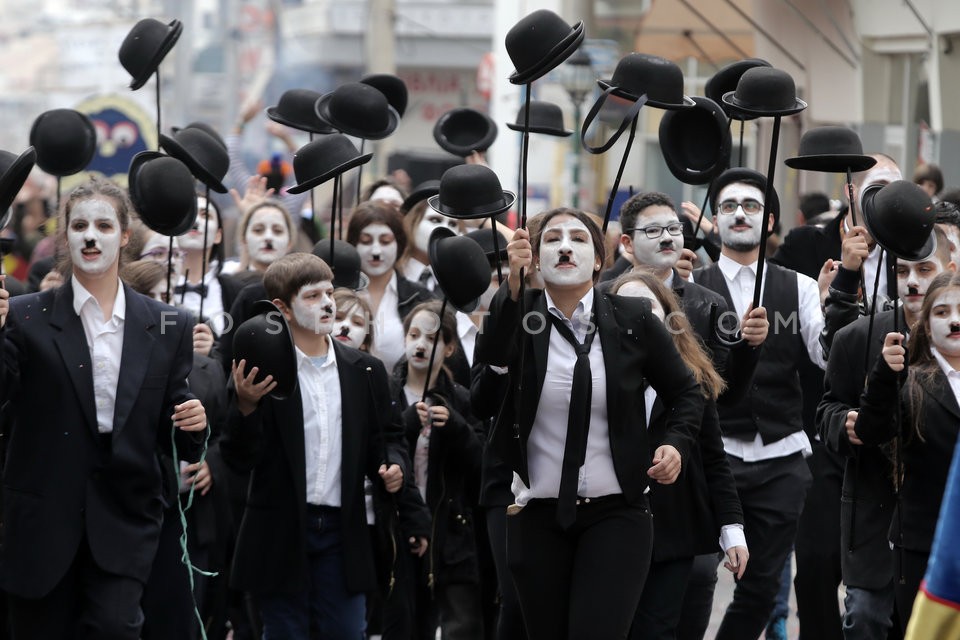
(325, 609)
(782, 607)
(868, 613)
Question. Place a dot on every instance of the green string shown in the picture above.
(185, 557)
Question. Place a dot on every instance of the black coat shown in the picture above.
(487, 390)
(636, 349)
(59, 484)
(867, 499)
(270, 554)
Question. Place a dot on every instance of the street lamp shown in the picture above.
(577, 78)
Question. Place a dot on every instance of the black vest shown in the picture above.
(773, 406)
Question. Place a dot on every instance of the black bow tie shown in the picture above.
(191, 288)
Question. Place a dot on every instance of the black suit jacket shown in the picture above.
(270, 554)
(636, 350)
(59, 484)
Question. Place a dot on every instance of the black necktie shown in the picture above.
(180, 289)
(578, 424)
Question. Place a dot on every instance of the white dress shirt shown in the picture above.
(388, 343)
(322, 426)
(953, 376)
(741, 280)
(870, 266)
(105, 341)
(412, 271)
(212, 304)
(548, 436)
(467, 331)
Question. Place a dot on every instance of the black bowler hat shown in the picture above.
(14, 171)
(765, 92)
(471, 191)
(747, 176)
(206, 128)
(696, 142)
(162, 191)
(318, 161)
(484, 237)
(420, 193)
(831, 150)
(900, 217)
(207, 160)
(345, 264)
(146, 46)
(640, 74)
(538, 43)
(545, 118)
(65, 141)
(461, 268)
(358, 110)
(265, 341)
(725, 80)
(392, 87)
(464, 130)
(297, 110)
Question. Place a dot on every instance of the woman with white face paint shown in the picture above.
(419, 223)
(580, 533)
(703, 504)
(929, 419)
(376, 229)
(80, 362)
(445, 450)
(265, 233)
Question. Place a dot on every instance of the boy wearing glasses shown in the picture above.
(763, 434)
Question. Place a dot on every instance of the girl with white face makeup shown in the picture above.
(216, 298)
(419, 223)
(266, 232)
(927, 377)
(352, 324)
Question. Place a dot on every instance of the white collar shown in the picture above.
(581, 314)
(947, 368)
(731, 268)
(81, 296)
(304, 359)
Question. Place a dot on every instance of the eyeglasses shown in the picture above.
(654, 231)
(749, 206)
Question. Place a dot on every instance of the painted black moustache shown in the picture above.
(955, 327)
(344, 331)
(913, 291)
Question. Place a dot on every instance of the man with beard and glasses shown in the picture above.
(304, 548)
(763, 434)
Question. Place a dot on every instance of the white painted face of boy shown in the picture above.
(94, 236)
(663, 250)
(739, 230)
(566, 252)
(314, 308)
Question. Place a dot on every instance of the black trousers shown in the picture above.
(818, 549)
(911, 565)
(772, 493)
(509, 619)
(584, 582)
(698, 597)
(87, 603)
(661, 604)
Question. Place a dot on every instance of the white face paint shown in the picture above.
(350, 326)
(662, 251)
(913, 280)
(192, 240)
(883, 173)
(953, 235)
(566, 252)
(386, 193)
(267, 236)
(637, 289)
(418, 342)
(431, 220)
(377, 247)
(944, 322)
(94, 236)
(313, 307)
(738, 230)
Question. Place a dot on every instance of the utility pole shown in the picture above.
(380, 49)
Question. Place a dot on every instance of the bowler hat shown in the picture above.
(640, 74)
(471, 191)
(392, 87)
(162, 191)
(538, 43)
(900, 217)
(146, 46)
(318, 161)
(484, 237)
(420, 193)
(765, 92)
(696, 142)
(14, 171)
(65, 141)
(460, 266)
(545, 118)
(206, 128)
(358, 110)
(207, 160)
(747, 176)
(725, 80)
(265, 342)
(831, 150)
(297, 109)
(464, 130)
(345, 264)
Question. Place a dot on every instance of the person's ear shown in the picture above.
(626, 241)
(449, 350)
(771, 223)
(125, 237)
(284, 309)
(951, 266)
